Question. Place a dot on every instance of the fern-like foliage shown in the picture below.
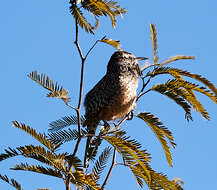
(161, 132)
(181, 88)
(38, 153)
(176, 95)
(38, 136)
(158, 181)
(114, 43)
(11, 182)
(38, 169)
(100, 163)
(175, 58)
(9, 153)
(56, 91)
(154, 43)
(78, 16)
(65, 122)
(169, 70)
(130, 151)
(104, 8)
(97, 8)
(138, 160)
(59, 137)
(84, 180)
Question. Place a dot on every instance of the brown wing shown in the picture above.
(99, 97)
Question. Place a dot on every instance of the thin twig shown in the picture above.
(81, 81)
(121, 122)
(76, 146)
(79, 102)
(71, 107)
(91, 49)
(76, 40)
(141, 93)
(110, 170)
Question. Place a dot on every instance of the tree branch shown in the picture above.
(110, 170)
(141, 93)
(77, 41)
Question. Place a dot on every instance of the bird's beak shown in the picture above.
(141, 58)
(138, 68)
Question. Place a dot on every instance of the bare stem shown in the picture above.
(68, 183)
(141, 93)
(110, 170)
(91, 49)
(76, 40)
(71, 106)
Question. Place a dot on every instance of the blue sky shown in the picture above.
(38, 35)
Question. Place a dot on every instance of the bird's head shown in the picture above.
(122, 61)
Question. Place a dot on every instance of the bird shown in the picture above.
(114, 96)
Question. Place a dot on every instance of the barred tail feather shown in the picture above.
(91, 133)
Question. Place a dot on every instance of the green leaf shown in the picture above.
(114, 43)
(75, 162)
(80, 179)
(38, 136)
(130, 151)
(175, 58)
(9, 153)
(154, 43)
(55, 90)
(169, 70)
(59, 137)
(65, 122)
(161, 132)
(104, 8)
(80, 19)
(176, 95)
(11, 182)
(44, 156)
(100, 164)
(38, 169)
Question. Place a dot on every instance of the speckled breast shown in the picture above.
(124, 101)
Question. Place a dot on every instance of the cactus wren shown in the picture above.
(114, 95)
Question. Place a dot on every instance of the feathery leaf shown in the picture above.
(63, 136)
(175, 58)
(175, 95)
(80, 19)
(161, 132)
(65, 122)
(38, 169)
(55, 90)
(44, 156)
(38, 136)
(100, 164)
(185, 89)
(9, 153)
(104, 8)
(154, 43)
(114, 43)
(11, 182)
(158, 181)
(80, 179)
(130, 151)
(168, 70)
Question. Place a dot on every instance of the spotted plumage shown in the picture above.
(114, 95)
